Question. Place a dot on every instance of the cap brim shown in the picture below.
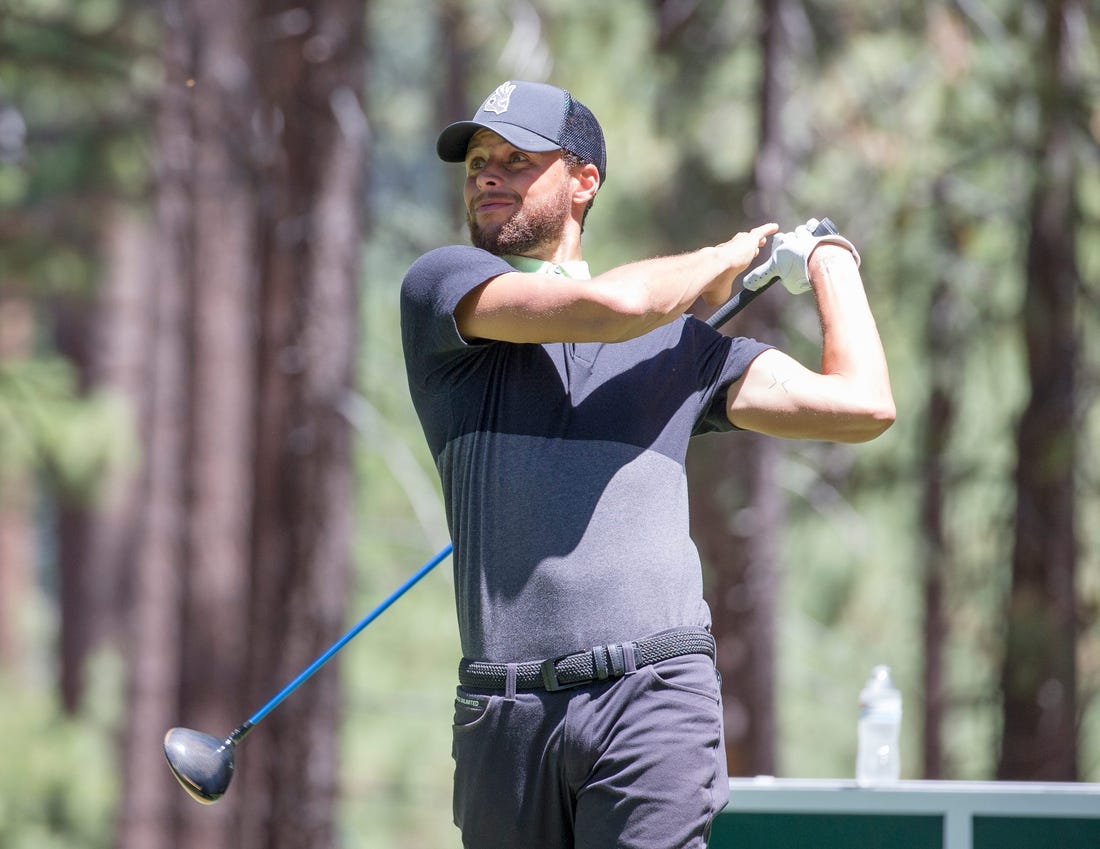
(455, 139)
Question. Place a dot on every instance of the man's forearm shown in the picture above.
(653, 292)
(666, 287)
(617, 305)
(851, 346)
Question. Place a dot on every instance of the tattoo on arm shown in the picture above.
(780, 381)
(827, 264)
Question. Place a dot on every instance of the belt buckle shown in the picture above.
(549, 671)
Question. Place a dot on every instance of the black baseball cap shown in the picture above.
(532, 116)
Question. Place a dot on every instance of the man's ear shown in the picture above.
(587, 179)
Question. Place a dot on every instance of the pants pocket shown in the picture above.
(470, 709)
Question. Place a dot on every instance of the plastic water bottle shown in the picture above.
(878, 760)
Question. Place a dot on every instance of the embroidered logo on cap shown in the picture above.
(498, 101)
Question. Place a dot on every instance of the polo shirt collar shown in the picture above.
(577, 269)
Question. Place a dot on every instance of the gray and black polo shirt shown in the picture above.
(562, 467)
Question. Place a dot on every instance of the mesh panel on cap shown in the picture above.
(581, 135)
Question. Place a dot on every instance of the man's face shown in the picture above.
(517, 202)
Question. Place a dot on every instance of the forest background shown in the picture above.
(210, 467)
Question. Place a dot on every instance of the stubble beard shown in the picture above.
(532, 228)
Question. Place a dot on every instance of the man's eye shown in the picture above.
(474, 164)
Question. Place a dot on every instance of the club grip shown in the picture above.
(825, 227)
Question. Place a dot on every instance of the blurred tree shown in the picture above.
(943, 343)
(925, 166)
(738, 508)
(97, 531)
(243, 565)
(16, 487)
(944, 349)
(71, 122)
(1039, 675)
(458, 56)
(311, 79)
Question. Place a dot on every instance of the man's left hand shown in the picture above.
(790, 256)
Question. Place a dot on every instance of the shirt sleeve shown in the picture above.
(731, 356)
(432, 289)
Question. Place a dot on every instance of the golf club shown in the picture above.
(203, 764)
(744, 297)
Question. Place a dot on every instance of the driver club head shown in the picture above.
(202, 763)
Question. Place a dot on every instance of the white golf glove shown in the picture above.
(789, 260)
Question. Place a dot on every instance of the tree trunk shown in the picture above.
(944, 344)
(97, 534)
(244, 567)
(935, 553)
(310, 234)
(71, 334)
(221, 340)
(150, 799)
(457, 55)
(1039, 678)
(738, 506)
(16, 501)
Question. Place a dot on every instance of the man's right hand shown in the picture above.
(737, 254)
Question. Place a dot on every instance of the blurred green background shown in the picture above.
(928, 131)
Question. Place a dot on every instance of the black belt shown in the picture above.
(583, 667)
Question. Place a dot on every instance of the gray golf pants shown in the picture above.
(634, 763)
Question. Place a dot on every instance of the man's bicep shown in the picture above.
(536, 308)
(780, 397)
(775, 395)
(510, 307)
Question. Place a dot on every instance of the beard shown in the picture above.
(531, 227)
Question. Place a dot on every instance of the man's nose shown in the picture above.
(488, 176)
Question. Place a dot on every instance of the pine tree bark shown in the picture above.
(309, 236)
(935, 552)
(148, 807)
(243, 570)
(97, 534)
(222, 307)
(943, 341)
(1039, 679)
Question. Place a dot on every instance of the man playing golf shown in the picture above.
(558, 408)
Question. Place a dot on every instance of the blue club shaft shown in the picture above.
(343, 641)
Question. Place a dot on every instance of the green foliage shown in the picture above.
(45, 425)
(71, 129)
(59, 781)
(76, 122)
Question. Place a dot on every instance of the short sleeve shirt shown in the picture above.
(562, 468)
